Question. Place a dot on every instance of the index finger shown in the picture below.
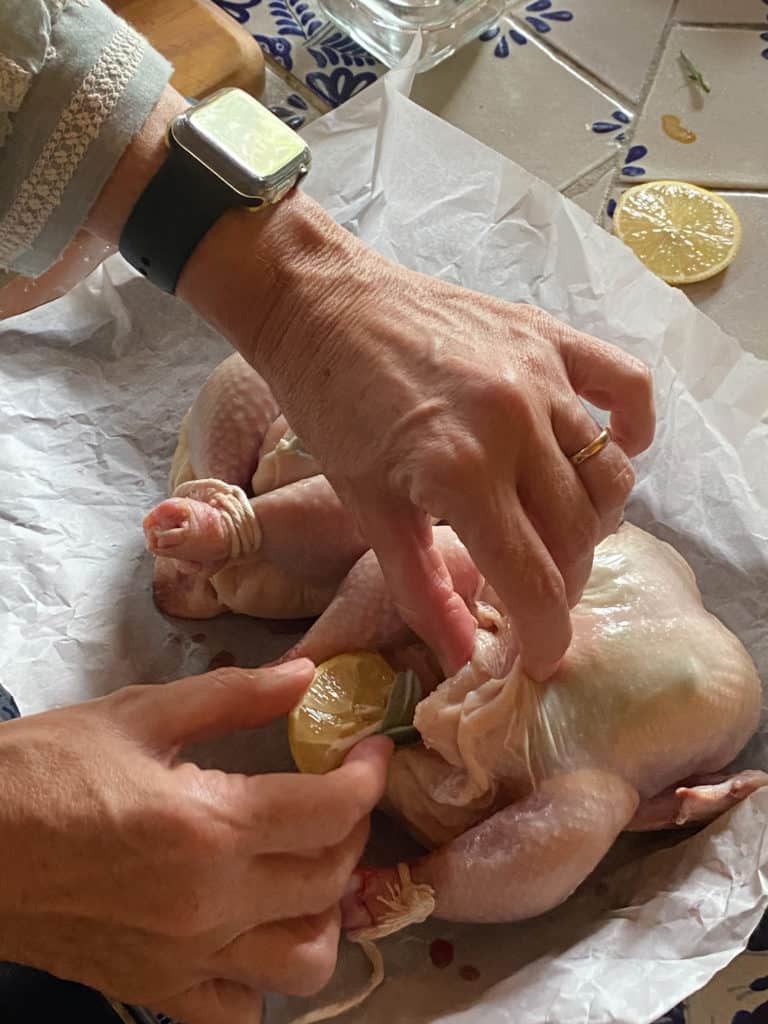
(418, 578)
(300, 813)
(515, 561)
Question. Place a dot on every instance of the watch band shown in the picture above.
(178, 207)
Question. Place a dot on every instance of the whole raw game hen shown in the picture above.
(517, 788)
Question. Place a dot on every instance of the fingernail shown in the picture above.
(289, 670)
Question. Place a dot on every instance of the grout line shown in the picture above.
(723, 24)
(585, 179)
(587, 75)
(650, 78)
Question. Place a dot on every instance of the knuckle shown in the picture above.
(228, 677)
(507, 393)
(643, 376)
(358, 793)
(624, 481)
(334, 869)
(127, 698)
(450, 466)
(616, 484)
(577, 542)
(315, 964)
(185, 917)
(548, 589)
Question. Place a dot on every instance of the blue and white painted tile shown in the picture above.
(511, 98)
(615, 41)
(289, 105)
(727, 146)
(592, 192)
(713, 12)
(299, 39)
(738, 302)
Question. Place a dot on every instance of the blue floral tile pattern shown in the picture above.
(544, 8)
(299, 39)
(333, 48)
(279, 49)
(501, 49)
(294, 18)
(294, 113)
(239, 9)
(631, 168)
(8, 706)
(339, 85)
(675, 1016)
(614, 128)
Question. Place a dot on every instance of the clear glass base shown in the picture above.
(388, 28)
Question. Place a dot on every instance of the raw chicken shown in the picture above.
(222, 433)
(521, 788)
(280, 554)
(518, 788)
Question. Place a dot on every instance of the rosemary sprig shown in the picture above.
(398, 716)
(693, 72)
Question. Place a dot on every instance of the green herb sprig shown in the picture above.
(397, 722)
(693, 73)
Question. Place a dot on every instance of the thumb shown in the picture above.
(201, 707)
(215, 1002)
(418, 579)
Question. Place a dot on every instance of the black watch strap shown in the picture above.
(178, 207)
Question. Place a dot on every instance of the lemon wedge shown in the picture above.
(681, 232)
(346, 702)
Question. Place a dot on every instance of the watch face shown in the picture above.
(243, 143)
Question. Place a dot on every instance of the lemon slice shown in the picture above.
(681, 232)
(346, 701)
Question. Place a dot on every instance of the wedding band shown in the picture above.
(592, 448)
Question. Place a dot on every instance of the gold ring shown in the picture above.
(592, 448)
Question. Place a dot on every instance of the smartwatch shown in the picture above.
(227, 151)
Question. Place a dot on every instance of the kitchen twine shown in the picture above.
(408, 903)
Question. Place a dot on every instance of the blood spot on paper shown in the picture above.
(441, 953)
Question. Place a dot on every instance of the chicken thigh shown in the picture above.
(520, 788)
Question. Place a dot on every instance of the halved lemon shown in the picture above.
(346, 702)
(681, 232)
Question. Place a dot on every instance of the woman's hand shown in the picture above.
(420, 398)
(164, 885)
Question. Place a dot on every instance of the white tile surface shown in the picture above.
(527, 105)
(747, 12)
(731, 146)
(614, 39)
(594, 195)
(737, 299)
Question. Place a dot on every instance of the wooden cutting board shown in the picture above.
(207, 48)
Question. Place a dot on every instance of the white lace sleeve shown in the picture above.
(76, 83)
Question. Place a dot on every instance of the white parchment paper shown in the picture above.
(93, 387)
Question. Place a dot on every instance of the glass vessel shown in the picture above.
(388, 28)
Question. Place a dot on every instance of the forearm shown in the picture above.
(253, 273)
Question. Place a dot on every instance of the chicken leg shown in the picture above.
(522, 861)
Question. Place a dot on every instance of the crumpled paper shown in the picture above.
(92, 391)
